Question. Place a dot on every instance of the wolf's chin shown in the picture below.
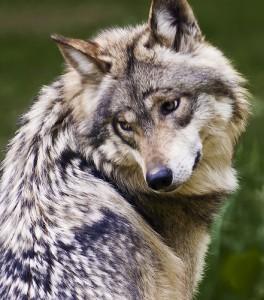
(170, 190)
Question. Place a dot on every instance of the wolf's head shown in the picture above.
(157, 103)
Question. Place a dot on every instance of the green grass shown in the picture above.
(29, 59)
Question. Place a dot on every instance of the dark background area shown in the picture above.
(29, 59)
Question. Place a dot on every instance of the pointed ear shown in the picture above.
(84, 56)
(173, 24)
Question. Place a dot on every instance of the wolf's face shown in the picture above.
(153, 121)
(157, 100)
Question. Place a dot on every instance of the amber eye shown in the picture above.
(125, 126)
(169, 107)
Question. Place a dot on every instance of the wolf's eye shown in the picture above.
(169, 106)
(125, 126)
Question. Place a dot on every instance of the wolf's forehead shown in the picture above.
(203, 71)
(142, 79)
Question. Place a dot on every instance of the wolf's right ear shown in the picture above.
(174, 25)
(83, 56)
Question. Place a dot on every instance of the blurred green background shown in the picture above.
(29, 59)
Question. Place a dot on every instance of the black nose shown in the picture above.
(159, 178)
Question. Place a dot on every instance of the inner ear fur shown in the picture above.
(84, 56)
(173, 24)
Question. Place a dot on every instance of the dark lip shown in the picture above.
(197, 160)
(169, 190)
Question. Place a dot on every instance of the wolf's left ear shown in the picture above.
(84, 56)
(174, 25)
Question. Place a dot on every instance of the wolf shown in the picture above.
(111, 184)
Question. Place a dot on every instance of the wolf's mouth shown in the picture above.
(197, 160)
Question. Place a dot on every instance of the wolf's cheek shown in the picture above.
(139, 160)
(183, 168)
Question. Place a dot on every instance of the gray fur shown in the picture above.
(78, 220)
